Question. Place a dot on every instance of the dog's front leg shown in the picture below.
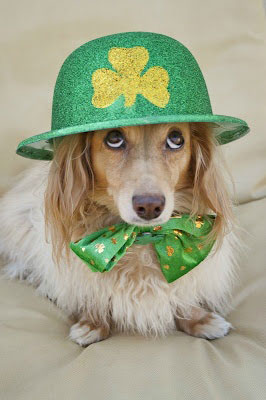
(85, 332)
(204, 324)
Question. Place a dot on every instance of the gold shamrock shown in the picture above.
(99, 247)
(199, 222)
(170, 251)
(129, 63)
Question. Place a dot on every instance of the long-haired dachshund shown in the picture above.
(140, 175)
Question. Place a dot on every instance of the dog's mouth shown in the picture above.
(140, 222)
(154, 222)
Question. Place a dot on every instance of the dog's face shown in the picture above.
(138, 169)
(139, 174)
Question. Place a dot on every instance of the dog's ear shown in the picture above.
(70, 180)
(208, 170)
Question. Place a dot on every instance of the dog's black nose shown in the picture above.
(148, 206)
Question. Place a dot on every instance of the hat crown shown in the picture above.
(128, 75)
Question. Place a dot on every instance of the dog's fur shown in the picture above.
(88, 186)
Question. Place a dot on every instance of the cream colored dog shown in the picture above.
(139, 174)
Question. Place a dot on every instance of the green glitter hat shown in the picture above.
(129, 78)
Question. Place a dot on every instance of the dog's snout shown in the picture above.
(148, 206)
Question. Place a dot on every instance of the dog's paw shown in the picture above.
(211, 326)
(85, 333)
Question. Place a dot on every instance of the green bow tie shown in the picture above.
(178, 244)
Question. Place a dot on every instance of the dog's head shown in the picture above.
(140, 169)
(139, 174)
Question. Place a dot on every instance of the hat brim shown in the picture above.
(225, 129)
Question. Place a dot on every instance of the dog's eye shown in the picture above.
(115, 139)
(175, 140)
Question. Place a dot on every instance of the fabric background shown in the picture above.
(36, 358)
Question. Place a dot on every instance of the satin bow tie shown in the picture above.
(178, 244)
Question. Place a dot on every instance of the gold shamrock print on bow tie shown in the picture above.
(129, 63)
(99, 247)
(199, 222)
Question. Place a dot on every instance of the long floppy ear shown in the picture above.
(67, 194)
(209, 188)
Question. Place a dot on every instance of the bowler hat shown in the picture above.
(129, 78)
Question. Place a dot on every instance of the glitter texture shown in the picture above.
(127, 79)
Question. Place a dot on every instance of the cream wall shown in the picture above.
(227, 38)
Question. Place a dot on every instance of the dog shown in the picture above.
(140, 175)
